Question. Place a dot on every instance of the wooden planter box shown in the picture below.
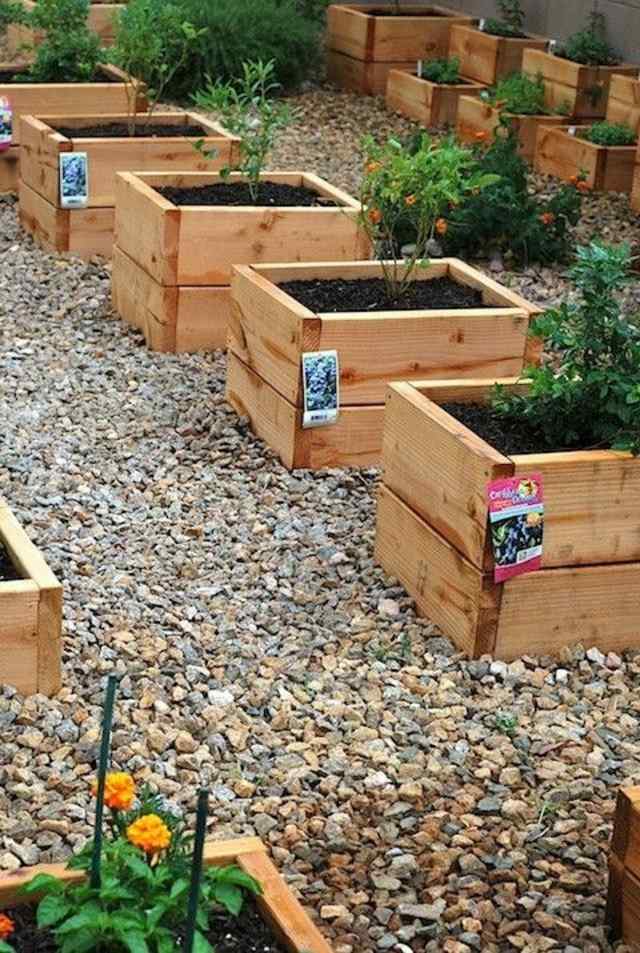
(623, 901)
(108, 96)
(635, 188)
(580, 91)
(432, 532)
(172, 264)
(270, 330)
(607, 168)
(362, 48)
(432, 104)
(624, 101)
(101, 20)
(89, 231)
(487, 58)
(280, 909)
(476, 115)
(30, 616)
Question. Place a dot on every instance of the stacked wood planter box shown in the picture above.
(363, 44)
(270, 330)
(488, 58)
(577, 90)
(30, 615)
(623, 901)
(560, 151)
(107, 95)
(89, 231)
(432, 532)
(101, 20)
(279, 908)
(624, 100)
(478, 116)
(172, 264)
(432, 104)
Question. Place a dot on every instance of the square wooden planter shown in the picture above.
(579, 91)
(89, 231)
(363, 47)
(623, 900)
(30, 615)
(487, 58)
(477, 116)
(278, 906)
(432, 532)
(269, 331)
(172, 264)
(624, 101)
(101, 20)
(106, 96)
(433, 104)
(607, 168)
(635, 188)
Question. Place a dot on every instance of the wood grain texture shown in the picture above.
(361, 76)
(580, 91)
(487, 58)
(48, 225)
(607, 168)
(100, 19)
(432, 104)
(9, 169)
(624, 101)
(477, 117)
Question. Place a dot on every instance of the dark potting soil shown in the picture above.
(8, 571)
(120, 130)
(275, 194)
(332, 295)
(381, 12)
(505, 36)
(248, 933)
(505, 435)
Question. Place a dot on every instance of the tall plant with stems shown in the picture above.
(510, 21)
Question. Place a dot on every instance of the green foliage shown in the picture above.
(593, 400)
(511, 21)
(610, 134)
(590, 45)
(445, 72)
(247, 110)
(12, 11)
(519, 93)
(69, 52)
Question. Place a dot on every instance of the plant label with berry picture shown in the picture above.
(516, 519)
(320, 378)
(74, 180)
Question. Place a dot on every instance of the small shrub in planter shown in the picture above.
(69, 52)
(590, 46)
(430, 95)
(510, 22)
(610, 134)
(604, 154)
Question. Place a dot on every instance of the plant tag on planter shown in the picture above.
(551, 47)
(321, 382)
(482, 24)
(74, 180)
(516, 523)
(420, 68)
(571, 130)
(6, 123)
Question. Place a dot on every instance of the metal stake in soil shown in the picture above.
(196, 868)
(105, 746)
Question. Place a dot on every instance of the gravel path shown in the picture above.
(417, 801)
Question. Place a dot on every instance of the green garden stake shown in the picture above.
(105, 746)
(196, 869)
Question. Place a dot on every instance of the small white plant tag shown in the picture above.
(74, 180)
(482, 24)
(321, 383)
(571, 130)
(551, 48)
(420, 68)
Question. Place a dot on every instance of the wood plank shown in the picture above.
(624, 101)
(147, 227)
(279, 272)
(582, 91)
(487, 58)
(565, 156)
(625, 842)
(91, 232)
(203, 319)
(48, 225)
(360, 76)
(492, 291)
(9, 169)
(476, 116)
(40, 150)
(19, 602)
(432, 104)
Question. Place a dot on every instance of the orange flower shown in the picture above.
(410, 200)
(119, 790)
(574, 180)
(442, 226)
(547, 218)
(149, 833)
(6, 927)
(583, 187)
(375, 215)
(373, 167)
(482, 136)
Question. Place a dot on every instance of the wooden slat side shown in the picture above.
(303, 271)
(467, 391)
(147, 227)
(144, 303)
(48, 225)
(19, 602)
(368, 78)
(9, 169)
(40, 150)
(619, 168)
(50, 640)
(565, 156)
(626, 826)
(203, 319)
(492, 291)
(615, 894)
(475, 116)
(91, 232)
(623, 105)
(432, 104)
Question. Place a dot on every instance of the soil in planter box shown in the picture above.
(120, 130)
(505, 435)
(8, 571)
(237, 193)
(381, 12)
(333, 295)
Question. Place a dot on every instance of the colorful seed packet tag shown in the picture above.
(74, 180)
(321, 382)
(6, 123)
(516, 522)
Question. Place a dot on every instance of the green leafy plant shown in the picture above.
(247, 109)
(519, 94)
(590, 46)
(69, 51)
(510, 22)
(610, 134)
(445, 72)
(593, 398)
(12, 11)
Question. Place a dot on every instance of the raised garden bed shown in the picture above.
(481, 329)
(30, 613)
(623, 900)
(562, 151)
(100, 20)
(624, 101)
(432, 531)
(475, 116)
(487, 58)
(581, 91)
(285, 918)
(365, 42)
(89, 231)
(172, 263)
(433, 104)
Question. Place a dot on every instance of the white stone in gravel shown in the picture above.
(423, 911)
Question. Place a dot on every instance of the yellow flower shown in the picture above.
(6, 926)
(119, 790)
(149, 833)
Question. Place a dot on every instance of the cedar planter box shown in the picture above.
(101, 20)
(432, 532)
(607, 168)
(580, 91)
(279, 908)
(624, 101)
(623, 901)
(108, 95)
(635, 188)
(89, 231)
(269, 331)
(172, 264)
(30, 615)
(476, 115)
(488, 58)
(433, 104)
(362, 46)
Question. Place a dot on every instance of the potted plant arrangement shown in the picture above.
(30, 613)
(604, 154)
(147, 885)
(577, 74)
(399, 317)
(519, 100)
(494, 49)
(178, 234)
(430, 94)
(570, 427)
(27, 30)
(365, 41)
